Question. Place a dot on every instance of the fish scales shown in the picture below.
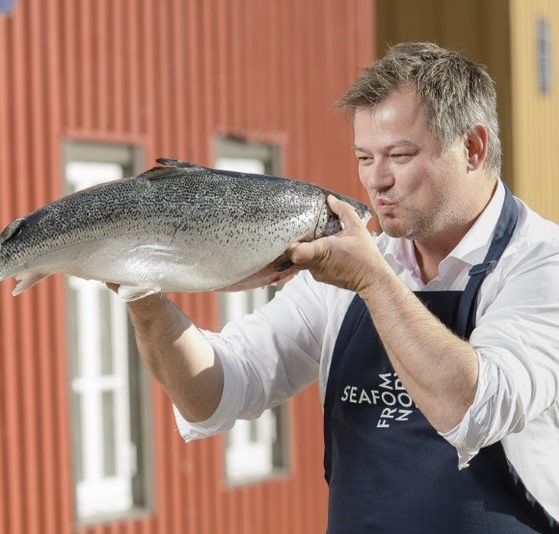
(176, 228)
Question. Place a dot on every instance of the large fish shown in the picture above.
(178, 227)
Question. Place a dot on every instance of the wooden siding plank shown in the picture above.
(86, 63)
(57, 481)
(25, 396)
(160, 448)
(69, 63)
(194, 89)
(206, 498)
(61, 419)
(216, 477)
(175, 479)
(239, 89)
(134, 63)
(4, 291)
(178, 98)
(208, 76)
(42, 449)
(223, 66)
(150, 80)
(101, 84)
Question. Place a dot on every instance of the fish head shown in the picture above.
(329, 223)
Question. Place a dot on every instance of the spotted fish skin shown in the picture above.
(177, 227)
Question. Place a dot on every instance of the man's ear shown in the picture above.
(477, 146)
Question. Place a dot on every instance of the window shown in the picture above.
(108, 418)
(254, 449)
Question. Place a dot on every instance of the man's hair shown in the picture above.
(456, 93)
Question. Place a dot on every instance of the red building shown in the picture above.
(94, 89)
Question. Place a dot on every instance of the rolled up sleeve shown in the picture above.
(267, 357)
(517, 343)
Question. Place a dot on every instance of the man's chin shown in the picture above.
(393, 230)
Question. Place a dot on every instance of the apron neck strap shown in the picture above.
(501, 238)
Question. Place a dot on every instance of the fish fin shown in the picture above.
(10, 230)
(27, 280)
(155, 173)
(182, 168)
(170, 162)
(131, 293)
(281, 263)
(278, 272)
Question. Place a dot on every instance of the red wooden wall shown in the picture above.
(168, 76)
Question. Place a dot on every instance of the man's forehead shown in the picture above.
(401, 102)
(400, 120)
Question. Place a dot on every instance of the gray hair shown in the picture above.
(456, 93)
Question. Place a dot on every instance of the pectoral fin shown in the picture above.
(27, 280)
(278, 272)
(132, 293)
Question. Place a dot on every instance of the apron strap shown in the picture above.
(503, 233)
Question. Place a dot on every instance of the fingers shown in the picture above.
(308, 253)
(347, 214)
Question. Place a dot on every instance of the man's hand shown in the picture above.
(347, 259)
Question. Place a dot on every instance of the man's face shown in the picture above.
(417, 190)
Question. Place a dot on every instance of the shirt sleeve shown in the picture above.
(267, 357)
(517, 342)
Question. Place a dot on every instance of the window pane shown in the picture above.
(73, 321)
(82, 174)
(253, 434)
(108, 429)
(106, 332)
(109, 451)
(78, 432)
(249, 165)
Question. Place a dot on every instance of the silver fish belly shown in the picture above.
(178, 227)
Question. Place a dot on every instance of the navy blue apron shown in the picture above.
(387, 469)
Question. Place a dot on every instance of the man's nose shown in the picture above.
(377, 176)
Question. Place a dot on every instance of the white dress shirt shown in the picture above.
(286, 345)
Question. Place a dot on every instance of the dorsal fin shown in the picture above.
(182, 167)
(169, 162)
(10, 230)
(155, 173)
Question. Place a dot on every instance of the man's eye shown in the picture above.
(364, 158)
(400, 156)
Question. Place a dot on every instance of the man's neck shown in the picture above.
(430, 252)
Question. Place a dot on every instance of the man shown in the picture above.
(436, 344)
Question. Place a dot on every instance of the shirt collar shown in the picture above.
(471, 249)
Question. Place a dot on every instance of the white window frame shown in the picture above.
(126, 490)
(97, 493)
